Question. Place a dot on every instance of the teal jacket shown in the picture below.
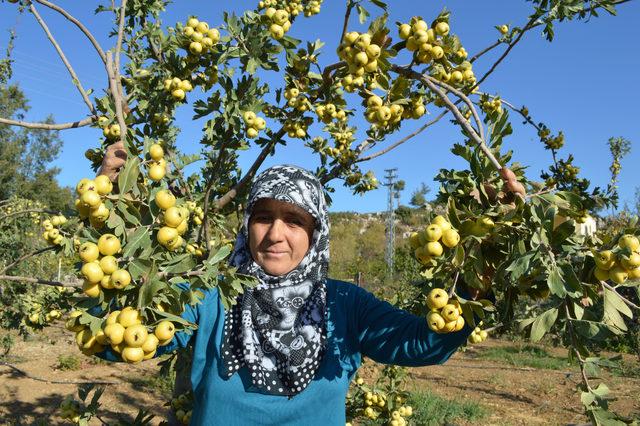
(358, 324)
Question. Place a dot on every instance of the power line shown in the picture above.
(390, 183)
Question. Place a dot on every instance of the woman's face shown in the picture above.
(279, 235)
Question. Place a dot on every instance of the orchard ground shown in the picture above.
(508, 394)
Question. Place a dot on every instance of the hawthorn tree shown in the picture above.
(155, 227)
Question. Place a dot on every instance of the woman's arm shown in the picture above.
(392, 336)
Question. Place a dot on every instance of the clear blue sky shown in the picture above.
(583, 83)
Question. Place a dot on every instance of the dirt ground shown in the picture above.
(513, 396)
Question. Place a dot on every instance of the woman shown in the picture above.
(286, 352)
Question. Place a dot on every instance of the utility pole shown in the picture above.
(390, 181)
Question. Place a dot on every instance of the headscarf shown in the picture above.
(278, 330)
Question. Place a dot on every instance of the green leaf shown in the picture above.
(139, 238)
(362, 14)
(148, 290)
(555, 282)
(219, 255)
(613, 306)
(129, 175)
(543, 324)
(138, 268)
(592, 329)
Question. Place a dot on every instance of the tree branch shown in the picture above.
(39, 281)
(114, 85)
(29, 211)
(226, 198)
(485, 50)
(403, 140)
(74, 77)
(26, 256)
(79, 24)
(123, 10)
(59, 382)
(347, 14)
(624, 299)
(49, 126)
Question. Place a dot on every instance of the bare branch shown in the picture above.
(123, 10)
(25, 257)
(226, 198)
(403, 140)
(74, 77)
(29, 211)
(39, 281)
(48, 126)
(114, 85)
(347, 14)
(79, 24)
(485, 50)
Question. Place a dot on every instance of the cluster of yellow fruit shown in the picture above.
(294, 8)
(178, 88)
(200, 37)
(183, 406)
(254, 124)
(327, 112)
(160, 119)
(198, 212)
(34, 316)
(157, 165)
(279, 22)
(175, 220)
(417, 109)
(351, 83)
(89, 203)
(445, 315)
(555, 142)
(70, 409)
(491, 105)
(124, 332)
(360, 54)
(301, 103)
(477, 336)
(381, 115)
(567, 170)
(295, 128)
(102, 271)
(424, 40)
(51, 232)
(620, 264)
(196, 249)
(110, 131)
(460, 76)
(428, 243)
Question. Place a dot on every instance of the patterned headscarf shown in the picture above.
(278, 328)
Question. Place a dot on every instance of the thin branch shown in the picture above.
(48, 126)
(79, 24)
(59, 382)
(329, 68)
(226, 198)
(347, 14)
(624, 299)
(485, 50)
(74, 77)
(574, 342)
(123, 10)
(114, 85)
(403, 140)
(25, 257)
(39, 281)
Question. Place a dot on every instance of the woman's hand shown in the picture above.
(114, 158)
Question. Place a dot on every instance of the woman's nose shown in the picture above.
(276, 230)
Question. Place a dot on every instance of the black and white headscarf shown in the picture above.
(278, 328)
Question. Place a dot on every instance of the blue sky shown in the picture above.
(583, 83)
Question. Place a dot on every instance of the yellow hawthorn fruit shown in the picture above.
(90, 199)
(92, 272)
(450, 238)
(634, 273)
(437, 298)
(449, 327)
(100, 213)
(484, 335)
(88, 252)
(106, 282)
(435, 321)
(84, 185)
(149, 355)
(173, 217)
(91, 289)
(115, 130)
(449, 312)
(605, 259)
(150, 343)
(441, 222)
(202, 27)
(120, 279)
(618, 274)
(442, 28)
(195, 48)
(156, 172)
(72, 323)
(83, 210)
(422, 255)
(276, 31)
(84, 338)
(164, 330)
(214, 35)
(112, 318)
(629, 241)
(434, 249)
(129, 316)
(135, 335)
(132, 355)
(414, 240)
(433, 232)
(437, 52)
(177, 243)
(178, 94)
(632, 262)
(182, 228)
(101, 338)
(165, 199)
(108, 244)
(404, 31)
(118, 348)
(503, 29)
(252, 133)
(193, 23)
(459, 323)
(108, 264)
(114, 333)
(103, 185)
(167, 236)
(156, 152)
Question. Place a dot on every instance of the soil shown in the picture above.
(512, 395)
